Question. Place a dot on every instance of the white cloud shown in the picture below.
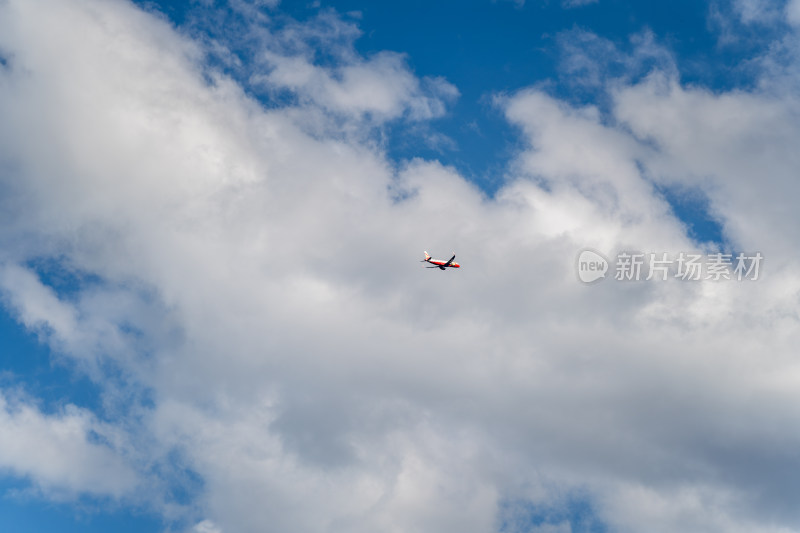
(86, 329)
(311, 374)
(206, 526)
(37, 306)
(739, 144)
(569, 4)
(381, 87)
(756, 11)
(590, 61)
(65, 454)
(316, 62)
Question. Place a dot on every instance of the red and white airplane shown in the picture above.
(438, 263)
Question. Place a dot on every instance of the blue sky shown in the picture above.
(500, 47)
(497, 47)
(208, 323)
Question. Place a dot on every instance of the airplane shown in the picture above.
(437, 263)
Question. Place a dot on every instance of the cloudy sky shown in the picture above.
(213, 318)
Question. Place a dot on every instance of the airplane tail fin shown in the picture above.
(427, 256)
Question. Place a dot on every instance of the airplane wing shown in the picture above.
(449, 261)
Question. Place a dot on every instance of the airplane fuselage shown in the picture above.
(443, 264)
